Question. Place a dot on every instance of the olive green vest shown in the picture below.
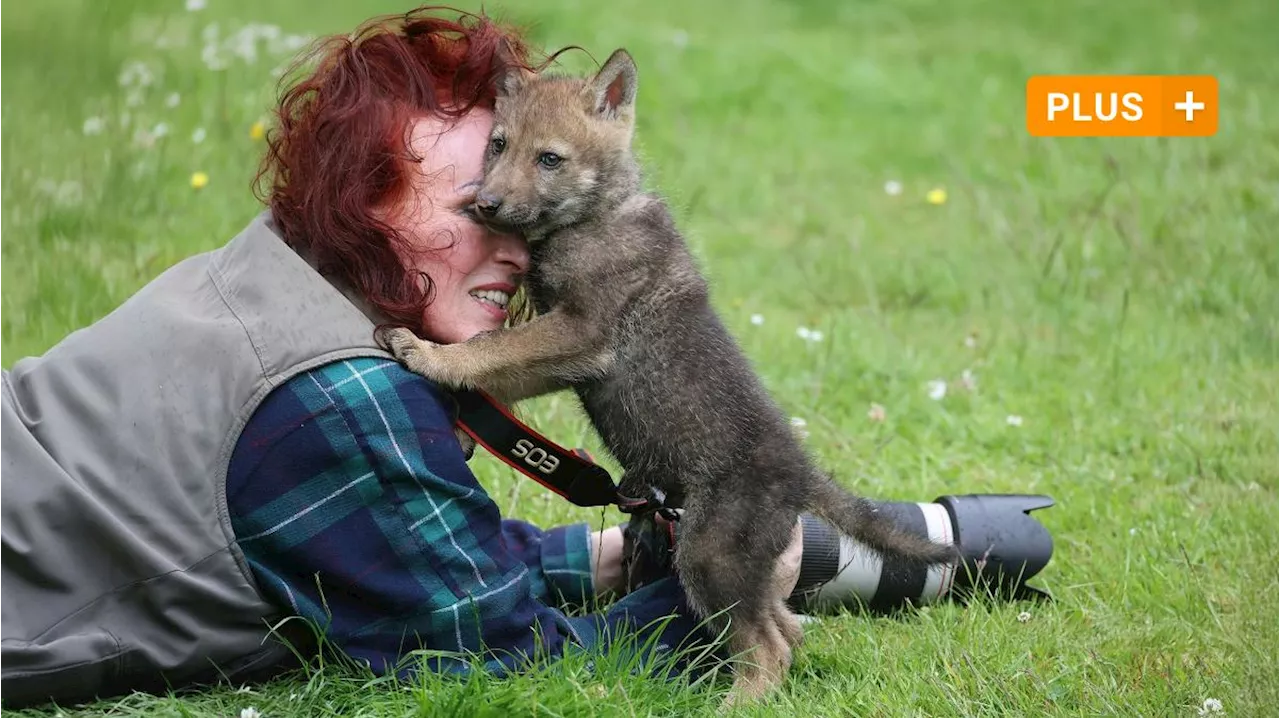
(120, 568)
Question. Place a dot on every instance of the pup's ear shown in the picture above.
(613, 90)
(510, 82)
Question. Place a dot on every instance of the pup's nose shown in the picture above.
(487, 205)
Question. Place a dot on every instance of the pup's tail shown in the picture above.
(860, 520)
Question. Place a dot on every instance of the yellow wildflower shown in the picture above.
(199, 180)
(936, 195)
(257, 131)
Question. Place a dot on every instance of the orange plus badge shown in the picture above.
(1122, 106)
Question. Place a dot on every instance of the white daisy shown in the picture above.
(1210, 706)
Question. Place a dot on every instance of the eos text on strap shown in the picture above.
(571, 474)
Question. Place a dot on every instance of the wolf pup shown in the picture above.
(624, 319)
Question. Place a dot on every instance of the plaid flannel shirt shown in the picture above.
(355, 508)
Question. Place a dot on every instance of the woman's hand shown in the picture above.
(606, 561)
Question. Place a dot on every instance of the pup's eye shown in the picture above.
(550, 160)
(497, 145)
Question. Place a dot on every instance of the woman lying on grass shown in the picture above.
(231, 447)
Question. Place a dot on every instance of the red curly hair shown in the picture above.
(339, 147)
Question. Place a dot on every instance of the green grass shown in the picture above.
(1121, 296)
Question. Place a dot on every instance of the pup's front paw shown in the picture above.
(444, 364)
(467, 443)
(417, 355)
(407, 347)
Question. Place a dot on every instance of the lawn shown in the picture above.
(1103, 312)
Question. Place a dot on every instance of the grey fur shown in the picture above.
(625, 320)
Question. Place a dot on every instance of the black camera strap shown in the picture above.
(571, 474)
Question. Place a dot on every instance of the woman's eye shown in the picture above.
(497, 145)
(550, 160)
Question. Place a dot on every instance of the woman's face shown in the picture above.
(474, 271)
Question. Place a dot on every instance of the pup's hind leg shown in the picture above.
(730, 585)
(763, 657)
(788, 625)
(774, 636)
